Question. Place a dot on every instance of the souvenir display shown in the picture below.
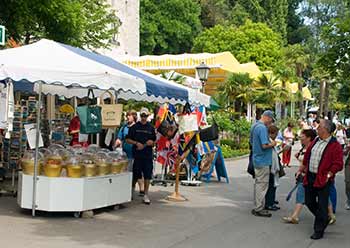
(102, 165)
(118, 161)
(53, 164)
(89, 166)
(74, 167)
(28, 161)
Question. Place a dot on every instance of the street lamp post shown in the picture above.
(203, 72)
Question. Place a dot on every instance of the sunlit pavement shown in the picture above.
(215, 215)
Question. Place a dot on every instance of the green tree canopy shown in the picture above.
(80, 23)
(168, 26)
(249, 42)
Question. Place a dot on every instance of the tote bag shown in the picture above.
(90, 117)
(187, 120)
(209, 133)
(111, 113)
(187, 123)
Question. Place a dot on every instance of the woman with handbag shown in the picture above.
(131, 118)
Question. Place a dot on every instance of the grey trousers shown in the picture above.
(260, 187)
(347, 182)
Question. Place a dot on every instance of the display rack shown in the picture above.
(63, 194)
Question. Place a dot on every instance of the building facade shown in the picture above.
(127, 41)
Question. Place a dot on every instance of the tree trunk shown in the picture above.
(283, 104)
(301, 99)
(326, 99)
(300, 89)
(322, 91)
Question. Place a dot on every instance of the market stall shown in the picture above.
(48, 67)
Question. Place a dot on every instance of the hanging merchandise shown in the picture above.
(3, 101)
(168, 127)
(90, 117)
(111, 113)
(210, 133)
(188, 121)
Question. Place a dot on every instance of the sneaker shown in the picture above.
(272, 208)
(290, 220)
(347, 206)
(261, 213)
(146, 200)
(331, 219)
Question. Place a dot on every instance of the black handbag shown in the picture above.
(168, 127)
(250, 168)
(209, 133)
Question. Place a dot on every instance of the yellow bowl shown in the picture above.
(28, 167)
(74, 171)
(116, 167)
(103, 169)
(52, 170)
(89, 170)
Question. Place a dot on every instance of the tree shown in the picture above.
(238, 90)
(214, 12)
(168, 26)
(297, 31)
(298, 58)
(270, 91)
(249, 42)
(272, 12)
(285, 74)
(81, 23)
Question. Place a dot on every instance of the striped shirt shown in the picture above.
(316, 154)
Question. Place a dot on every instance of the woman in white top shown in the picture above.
(340, 134)
(288, 139)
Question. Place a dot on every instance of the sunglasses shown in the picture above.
(143, 115)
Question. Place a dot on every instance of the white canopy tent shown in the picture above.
(57, 64)
(53, 68)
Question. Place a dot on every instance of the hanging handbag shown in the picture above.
(90, 117)
(187, 120)
(209, 133)
(111, 113)
(168, 127)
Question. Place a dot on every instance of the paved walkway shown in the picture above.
(217, 214)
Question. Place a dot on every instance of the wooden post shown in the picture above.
(176, 196)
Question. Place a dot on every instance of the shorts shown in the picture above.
(300, 196)
(143, 168)
(130, 164)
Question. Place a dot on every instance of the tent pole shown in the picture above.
(36, 161)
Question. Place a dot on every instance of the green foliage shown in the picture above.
(224, 120)
(238, 86)
(272, 12)
(214, 12)
(81, 23)
(249, 42)
(168, 26)
(297, 31)
(228, 152)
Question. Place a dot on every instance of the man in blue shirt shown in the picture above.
(262, 160)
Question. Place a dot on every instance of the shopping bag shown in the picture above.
(90, 118)
(168, 127)
(187, 123)
(209, 133)
(111, 113)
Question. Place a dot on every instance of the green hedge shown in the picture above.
(228, 152)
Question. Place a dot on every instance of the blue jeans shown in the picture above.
(300, 195)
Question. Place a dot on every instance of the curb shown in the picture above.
(237, 158)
